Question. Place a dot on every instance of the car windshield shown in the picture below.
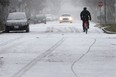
(16, 16)
(40, 17)
(66, 15)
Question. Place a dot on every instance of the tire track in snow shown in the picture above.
(22, 71)
(72, 66)
(10, 41)
(10, 44)
(2, 49)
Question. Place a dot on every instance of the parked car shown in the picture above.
(17, 21)
(65, 18)
(40, 19)
(49, 17)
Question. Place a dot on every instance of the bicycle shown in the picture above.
(85, 26)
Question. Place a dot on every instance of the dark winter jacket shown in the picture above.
(85, 15)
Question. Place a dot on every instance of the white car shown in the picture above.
(65, 18)
(17, 21)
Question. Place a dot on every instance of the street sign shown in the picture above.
(100, 3)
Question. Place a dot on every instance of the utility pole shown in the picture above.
(115, 10)
(105, 12)
(100, 4)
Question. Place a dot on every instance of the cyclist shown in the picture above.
(85, 16)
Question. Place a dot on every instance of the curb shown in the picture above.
(104, 30)
(108, 32)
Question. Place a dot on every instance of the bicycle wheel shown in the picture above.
(86, 30)
(85, 27)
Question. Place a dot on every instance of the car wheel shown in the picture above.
(6, 30)
(27, 30)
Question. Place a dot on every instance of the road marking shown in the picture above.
(22, 71)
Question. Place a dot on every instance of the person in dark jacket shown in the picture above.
(85, 16)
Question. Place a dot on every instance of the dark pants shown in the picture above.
(87, 24)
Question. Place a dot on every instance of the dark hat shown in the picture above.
(85, 8)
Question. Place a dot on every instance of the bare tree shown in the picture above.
(34, 6)
(3, 12)
(53, 6)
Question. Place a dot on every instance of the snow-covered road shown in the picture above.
(58, 50)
